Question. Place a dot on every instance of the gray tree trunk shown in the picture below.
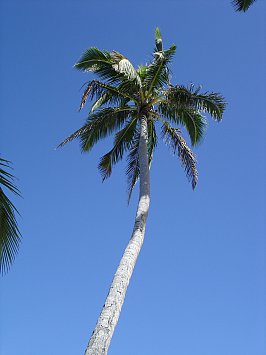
(102, 334)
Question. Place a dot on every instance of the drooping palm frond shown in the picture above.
(152, 139)
(100, 124)
(122, 143)
(132, 171)
(242, 5)
(6, 179)
(212, 103)
(178, 145)
(192, 120)
(9, 233)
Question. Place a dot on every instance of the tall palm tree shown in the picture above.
(133, 102)
(242, 5)
(9, 232)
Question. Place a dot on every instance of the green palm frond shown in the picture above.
(98, 90)
(194, 122)
(213, 103)
(178, 145)
(242, 5)
(100, 124)
(9, 233)
(112, 67)
(122, 143)
(132, 171)
(158, 40)
(108, 98)
(6, 179)
(152, 139)
(157, 73)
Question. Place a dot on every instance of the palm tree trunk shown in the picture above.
(102, 334)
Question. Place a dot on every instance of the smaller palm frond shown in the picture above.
(132, 171)
(176, 142)
(112, 67)
(100, 124)
(9, 233)
(242, 5)
(158, 40)
(157, 73)
(108, 98)
(122, 143)
(194, 122)
(99, 90)
(213, 103)
(152, 139)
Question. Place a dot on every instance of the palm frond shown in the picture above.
(132, 171)
(98, 89)
(122, 143)
(108, 98)
(112, 67)
(242, 5)
(178, 145)
(6, 179)
(189, 97)
(152, 139)
(192, 120)
(123, 66)
(157, 73)
(100, 124)
(9, 233)
(158, 40)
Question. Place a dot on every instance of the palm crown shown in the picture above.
(124, 94)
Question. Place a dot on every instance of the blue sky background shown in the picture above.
(199, 285)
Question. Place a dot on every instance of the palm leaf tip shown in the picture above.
(158, 40)
(9, 233)
(10, 236)
(242, 5)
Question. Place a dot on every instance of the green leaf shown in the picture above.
(112, 67)
(6, 178)
(9, 232)
(158, 40)
(157, 73)
(122, 143)
(132, 171)
(213, 103)
(99, 125)
(176, 142)
(111, 94)
(152, 139)
(194, 122)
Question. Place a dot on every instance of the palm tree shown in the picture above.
(9, 232)
(133, 102)
(242, 5)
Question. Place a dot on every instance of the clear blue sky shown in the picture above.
(199, 284)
